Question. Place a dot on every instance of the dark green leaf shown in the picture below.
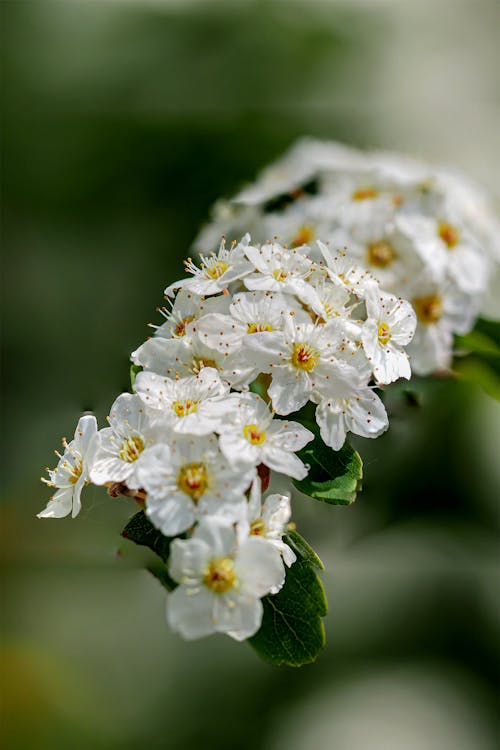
(141, 531)
(334, 476)
(292, 632)
(303, 549)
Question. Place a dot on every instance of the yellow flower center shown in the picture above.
(280, 275)
(384, 335)
(259, 327)
(199, 363)
(304, 236)
(216, 270)
(131, 448)
(220, 575)
(380, 254)
(364, 193)
(429, 308)
(76, 472)
(183, 408)
(304, 357)
(252, 433)
(449, 234)
(180, 328)
(258, 528)
(193, 480)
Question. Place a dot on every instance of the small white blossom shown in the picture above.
(179, 358)
(216, 271)
(280, 270)
(390, 326)
(120, 445)
(193, 405)
(189, 478)
(250, 314)
(185, 311)
(221, 581)
(250, 436)
(347, 404)
(441, 312)
(298, 358)
(268, 520)
(72, 472)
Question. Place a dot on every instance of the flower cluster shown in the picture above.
(425, 233)
(251, 336)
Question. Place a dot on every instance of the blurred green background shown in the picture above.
(122, 123)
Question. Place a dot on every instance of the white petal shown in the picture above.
(188, 559)
(189, 612)
(59, 506)
(238, 616)
(259, 567)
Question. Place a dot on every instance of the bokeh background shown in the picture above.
(122, 123)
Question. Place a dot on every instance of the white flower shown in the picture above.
(441, 312)
(216, 271)
(390, 326)
(188, 479)
(120, 445)
(298, 166)
(298, 358)
(344, 270)
(347, 404)
(250, 314)
(221, 581)
(193, 405)
(250, 436)
(72, 472)
(281, 270)
(268, 520)
(453, 250)
(188, 355)
(185, 311)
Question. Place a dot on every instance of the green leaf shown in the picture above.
(475, 371)
(134, 371)
(141, 531)
(478, 357)
(478, 343)
(292, 632)
(303, 549)
(334, 476)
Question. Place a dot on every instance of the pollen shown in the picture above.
(131, 448)
(305, 235)
(183, 408)
(259, 327)
(429, 309)
(449, 234)
(180, 328)
(380, 254)
(258, 527)
(252, 433)
(384, 335)
(280, 275)
(76, 472)
(193, 480)
(364, 193)
(305, 357)
(220, 575)
(216, 270)
(199, 363)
